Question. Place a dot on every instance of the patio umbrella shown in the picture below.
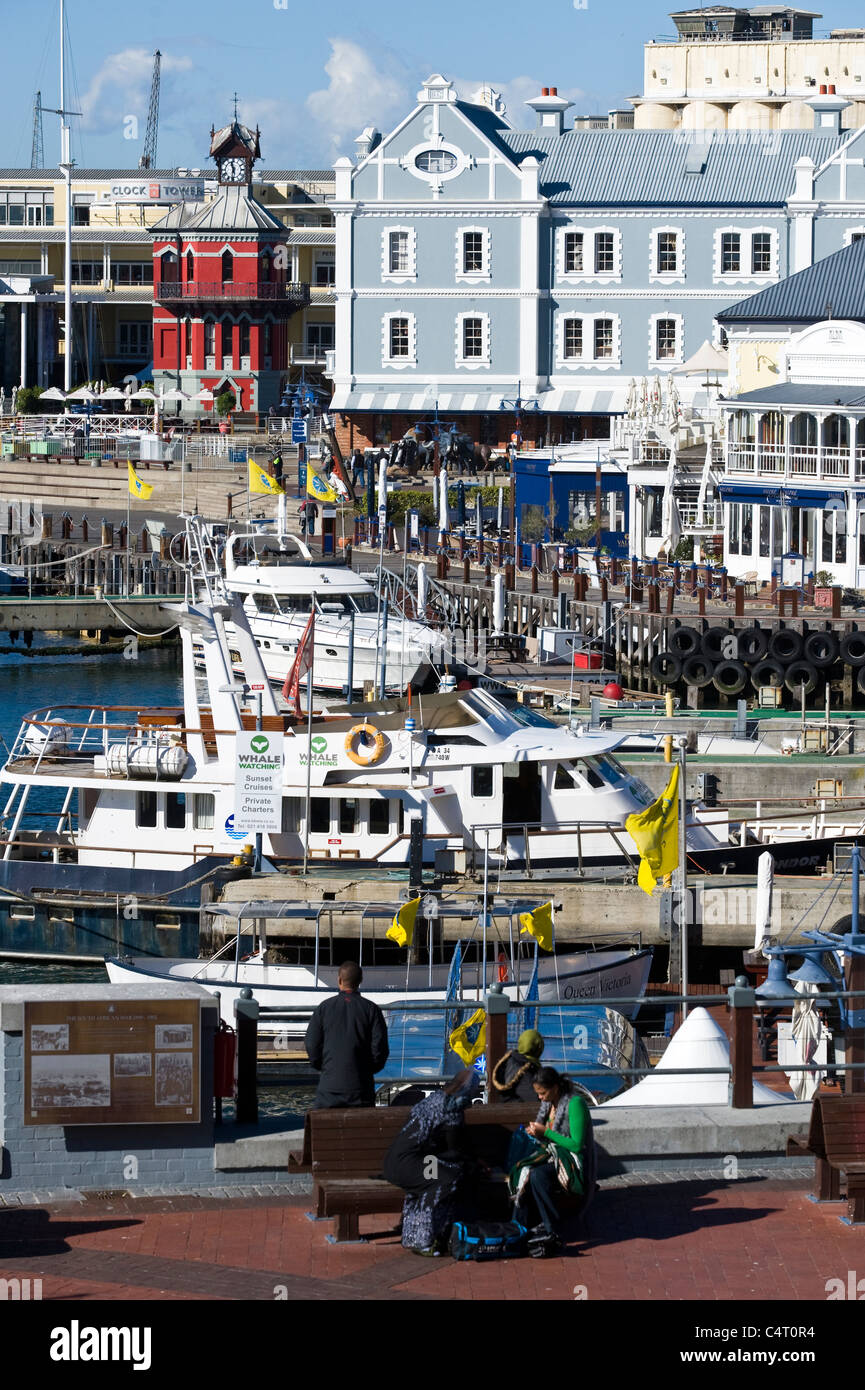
(53, 394)
(370, 489)
(174, 395)
(145, 394)
(83, 393)
(706, 361)
(382, 483)
(671, 525)
(672, 403)
(204, 395)
(461, 503)
(444, 519)
(113, 394)
(656, 398)
(633, 399)
(644, 397)
(422, 591)
(498, 604)
(479, 514)
(763, 909)
(807, 1033)
(500, 510)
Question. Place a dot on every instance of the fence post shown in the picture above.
(246, 1020)
(496, 1004)
(742, 1000)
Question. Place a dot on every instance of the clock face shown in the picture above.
(233, 171)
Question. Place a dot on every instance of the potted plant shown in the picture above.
(823, 586)
(224, 407)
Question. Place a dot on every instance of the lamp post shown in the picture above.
(517, 405)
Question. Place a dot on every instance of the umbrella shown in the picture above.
(113, 394)
(633, 399)
(204, 395)
(370, 488)
(145, 394)
(444, 519)
(498, 604)
(763, 911)
(706, 361)
(382, 483)
(82, 394)
(461, 503)
(644, 397)
(435, 494)
(174, 395)
(656, 398)
(672, 403)
(500, 511)
(53, 394)
(479, 514)
(807, 1033)
(422, 591)
(671, 524)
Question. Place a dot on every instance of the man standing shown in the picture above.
(347, 1042)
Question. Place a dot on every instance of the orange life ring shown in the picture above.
(365, 731)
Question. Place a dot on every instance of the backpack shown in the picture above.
(488, 1240)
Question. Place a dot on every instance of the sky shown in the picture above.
(312, 76)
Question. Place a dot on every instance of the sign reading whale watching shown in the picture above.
(258, 782)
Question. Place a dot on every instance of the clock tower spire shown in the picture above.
(235, 149)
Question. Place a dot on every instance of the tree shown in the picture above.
(28, 400)
(225, 402)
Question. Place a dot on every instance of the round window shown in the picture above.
(436, 161)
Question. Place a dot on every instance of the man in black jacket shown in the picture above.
(347, 1042)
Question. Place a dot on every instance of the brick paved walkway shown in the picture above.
(658, 1237)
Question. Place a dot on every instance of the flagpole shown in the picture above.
(128, 528)
(683, 873)
(308, 759)
(486, 899)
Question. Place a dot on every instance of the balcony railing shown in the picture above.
(274, 292)
(796, 461)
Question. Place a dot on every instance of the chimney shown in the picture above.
(550, 110)
(827, 107)
(367, 141)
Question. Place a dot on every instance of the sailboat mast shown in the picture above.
(66, 167)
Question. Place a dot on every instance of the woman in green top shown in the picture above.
(564, 1162)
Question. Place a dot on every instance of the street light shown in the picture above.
(517, 405)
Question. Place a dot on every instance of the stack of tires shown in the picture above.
(752, 657)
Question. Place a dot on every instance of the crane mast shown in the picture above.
(37, 151)
(148, 158)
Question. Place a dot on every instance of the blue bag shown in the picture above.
(488, 1240)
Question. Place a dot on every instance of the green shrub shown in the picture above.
(28, 400)
(224, 403)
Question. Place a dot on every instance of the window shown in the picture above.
(244, 338)
(203, 808)
(482, 780)
(134, 339)
(81, 216)
(209, 337)
(473, 338)
(265, 268)
(398, 253)
(291, 808)
(19, 206)
(319, 815)
(399, 338)
(325, 273)
(734, 529)
(856, 236)
(348, 809)
(731, 258)
(320, 337)
(665, 339)
(573, 338)
(436, 162)
(87, 272)
(175, 811)
(604, 253)
(190, 267)
(379, 817)
(765, 519)
(761, 253)
(145, 810)
(473, 253)
(747, 528)
(603, 338)
(132, 272)
(227, 268)
(573, 252)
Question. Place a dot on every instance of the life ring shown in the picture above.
(365, 731)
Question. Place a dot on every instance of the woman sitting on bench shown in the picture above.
(563, 1162)
(426, 1159)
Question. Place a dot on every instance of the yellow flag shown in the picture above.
(136, 487)
(655, 832)
(318, 488)
(469, 1041)
(539, 924)
(401, 929)
(261, 483)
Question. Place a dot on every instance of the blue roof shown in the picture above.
(791, 393)
(627, 168)
(833, 288)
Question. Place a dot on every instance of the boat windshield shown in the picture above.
(349, 603)
(618, 776)
(502, 718)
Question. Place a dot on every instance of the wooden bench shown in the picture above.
(836, 1138)
(344, 1151)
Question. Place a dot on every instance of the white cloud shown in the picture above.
(121, 87)
(363, 90)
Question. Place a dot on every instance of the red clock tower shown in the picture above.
(221, 297)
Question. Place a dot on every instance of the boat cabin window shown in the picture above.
(87, 803)
(145, 810)
(203, 809)
(613, 772)
(348, 816)
(379, 817)
(365, 603)
(291, 808)
(265, 603)
(564, 779)
(319, 815)
(588, 772)
(235, 656)
(482, 781)
(295, 603)
(175, 811)
(452, 740)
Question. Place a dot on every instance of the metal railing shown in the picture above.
(290, 292)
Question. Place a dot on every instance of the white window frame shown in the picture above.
(398, 363)
(473, 277)
(588, 358)
(746, 242)
(667, 277)
(660, 363)
(398, 277)
(588, 276)
(472, 363)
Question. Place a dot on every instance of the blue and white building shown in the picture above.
(478, 265)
